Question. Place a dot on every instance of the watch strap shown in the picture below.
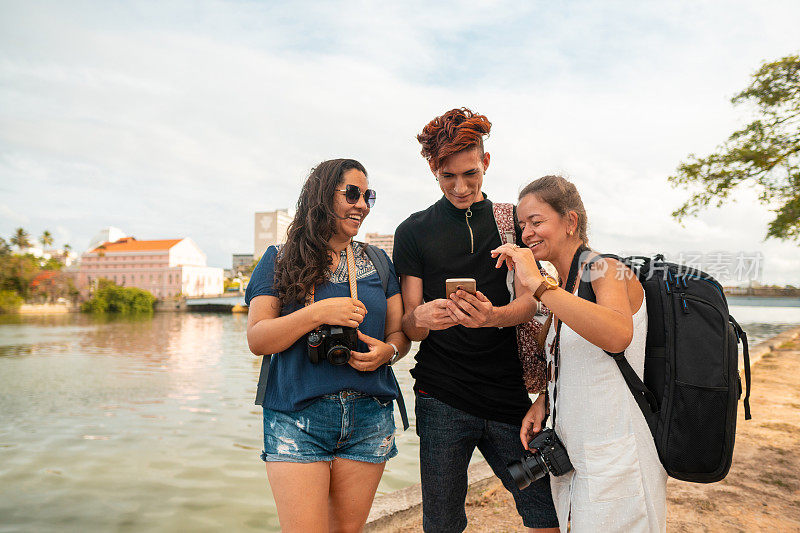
(543, 286)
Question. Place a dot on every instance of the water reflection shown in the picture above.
(151, 417)
(148, 423)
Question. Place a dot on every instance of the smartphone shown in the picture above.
(453, 284)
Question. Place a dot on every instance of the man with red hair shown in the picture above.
(468, 379)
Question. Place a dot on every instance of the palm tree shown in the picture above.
(46, 239)
(21, 239)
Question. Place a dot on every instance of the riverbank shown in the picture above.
(45, 309)
(761, 492)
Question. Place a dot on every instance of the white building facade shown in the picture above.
(167, 268)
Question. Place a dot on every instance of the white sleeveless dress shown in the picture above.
(618, 483)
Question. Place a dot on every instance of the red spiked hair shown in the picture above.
(453, 132)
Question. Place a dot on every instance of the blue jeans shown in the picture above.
(448, 437)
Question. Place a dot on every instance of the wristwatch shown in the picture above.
(395, 355)
(549, 283)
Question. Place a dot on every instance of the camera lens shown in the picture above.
(528, 470)
(338, 355)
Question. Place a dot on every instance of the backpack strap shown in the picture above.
(401, 404)
(381, 264)
(504, 220)
(261, 391)
(645, 399)
(742, 336)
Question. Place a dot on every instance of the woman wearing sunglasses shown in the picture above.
(328, 424)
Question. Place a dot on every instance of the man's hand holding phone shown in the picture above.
(434, 315)
(467, 305)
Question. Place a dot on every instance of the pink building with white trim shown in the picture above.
(166, 268)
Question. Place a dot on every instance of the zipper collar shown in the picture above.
(455, 212)
(466, 214)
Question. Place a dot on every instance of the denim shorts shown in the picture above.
(348, 424)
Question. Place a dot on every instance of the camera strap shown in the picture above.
(352, 279)
(555, 347)
(351, 276)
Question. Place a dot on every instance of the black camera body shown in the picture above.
(331, 343)
(550, 456)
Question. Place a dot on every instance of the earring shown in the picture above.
(569, 233)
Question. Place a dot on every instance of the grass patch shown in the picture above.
(679, 500)
(702, 505)
(488, 496)
(777, 480)
(789, 345)
(779, 451)
(706, 505)
(781, 426)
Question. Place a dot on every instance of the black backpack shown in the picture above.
(691, 385)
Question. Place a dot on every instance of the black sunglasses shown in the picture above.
(352, 193)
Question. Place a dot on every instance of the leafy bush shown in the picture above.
(116, 299)
(10, 301)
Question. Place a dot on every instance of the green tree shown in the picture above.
(5, 248)
(46, 239)
(765, 153)
(54, 263)
(111, 298)
(17, 272)
(21, 239)
(10, 301)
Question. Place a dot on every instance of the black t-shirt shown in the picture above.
(476, 370)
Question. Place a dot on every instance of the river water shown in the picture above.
(149, 424)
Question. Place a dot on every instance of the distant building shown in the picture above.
(65, 256)
(109, 234)
(270, 228)
(381, 241)
(166, 268)
(240, 262)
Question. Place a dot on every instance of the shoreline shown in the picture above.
(403, 507)
(45, 309)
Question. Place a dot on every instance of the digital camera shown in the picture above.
(550, 456)
(331, 343)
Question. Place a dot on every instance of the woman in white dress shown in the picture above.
(618, 483)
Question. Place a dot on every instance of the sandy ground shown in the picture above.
(761, 492)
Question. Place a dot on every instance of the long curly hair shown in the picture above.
(304, 261)
(457, 130)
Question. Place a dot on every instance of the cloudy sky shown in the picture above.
(172, 119)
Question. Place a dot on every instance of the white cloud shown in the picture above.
(185, 118)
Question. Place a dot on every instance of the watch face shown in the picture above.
(551, 281)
